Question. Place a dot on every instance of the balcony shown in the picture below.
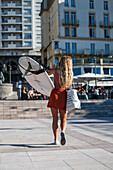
(11, 5)
(73, 23)
(57, 51)
(10, 38)
(12, 21)
(14, 37)
(15, 46)
(11, 13)
(11, 45)
(12, 29)
(106, 25)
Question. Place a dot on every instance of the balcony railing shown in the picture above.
(11, 37)
(10, 5)
(11, 21)
(11, 45)
(106, 25)
(12, 13)
(14, 29)
(74, 23)
(11, 29)
(83, 52)
(92, 24)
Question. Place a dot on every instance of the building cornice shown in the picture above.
(48, 8)
(88, 39)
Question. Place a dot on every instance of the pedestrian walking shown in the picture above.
(63, 78)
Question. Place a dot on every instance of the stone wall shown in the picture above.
(5, 90)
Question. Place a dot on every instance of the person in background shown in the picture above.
(84, 93)
(31, 93)
(19, 86)
(24, 94)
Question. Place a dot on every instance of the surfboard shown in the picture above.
(36, 76)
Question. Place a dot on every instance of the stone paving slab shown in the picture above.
(27, 144)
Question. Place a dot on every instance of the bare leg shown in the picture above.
(63, 116)
(55, 123)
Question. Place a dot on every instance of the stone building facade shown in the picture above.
(82, 29)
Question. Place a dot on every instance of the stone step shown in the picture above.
(33, 109)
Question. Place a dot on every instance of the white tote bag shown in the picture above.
(73, 101)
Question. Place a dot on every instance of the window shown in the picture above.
(67, 31)
(111, 71)
(87, 70)
(72, 3)
(74, 61)
(56, 45)
(27, 19)
(56, 61)
(105, 5)
(74, 48)
(92, 32)
(66, 3)
(106, 49)
(73, 31)
(106, 33)
(97, 70)
(92, 49)
(73, 17)
(105, 19)
(92, 19)
(67, 47)
(27, 27)
(27, 44)
(27, 36)
(66, 17)
(27, 3)
(106, 60)
(27, 11)
(106, 71)
(76, 71)
(91, 4)
(92, 60)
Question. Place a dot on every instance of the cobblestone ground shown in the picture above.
(26, 144)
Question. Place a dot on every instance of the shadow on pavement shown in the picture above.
(47, 145)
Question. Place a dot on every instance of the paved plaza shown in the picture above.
(26, 144)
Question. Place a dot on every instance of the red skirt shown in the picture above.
(57, 99)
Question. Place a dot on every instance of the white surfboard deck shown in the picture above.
(41, 82)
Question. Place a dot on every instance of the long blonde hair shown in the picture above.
(66, 73)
